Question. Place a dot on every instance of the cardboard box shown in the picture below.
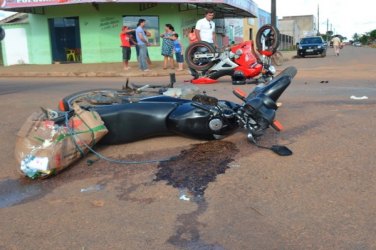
(44, 148)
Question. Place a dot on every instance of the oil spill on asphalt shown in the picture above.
(187, 233)
(195, 168)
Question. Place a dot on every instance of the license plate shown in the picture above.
(309, 50)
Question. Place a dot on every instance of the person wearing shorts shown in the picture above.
(178, 49)
(125, 39)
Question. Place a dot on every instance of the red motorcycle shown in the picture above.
(239, 61)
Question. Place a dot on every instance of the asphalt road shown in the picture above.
(321, 197)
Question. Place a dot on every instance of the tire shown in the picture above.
(277, 58)
(67, 102)
(323, 54)
(270, 35)
(199, 48)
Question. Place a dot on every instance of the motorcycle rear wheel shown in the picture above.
(200, 64)
(100, 97)
(267, 39)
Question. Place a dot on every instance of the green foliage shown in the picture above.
(355, 37)
(372, 34)
(367, 38)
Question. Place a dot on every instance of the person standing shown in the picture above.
(133, 34)
(142, 42)
(205, 28)
(178, 48)
(336, 44)
(192, 36)
(126, 40)
(168, 46)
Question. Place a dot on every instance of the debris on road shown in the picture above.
(359, 97)
(45, 146)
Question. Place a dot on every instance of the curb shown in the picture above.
(43, 71)
(90, 74)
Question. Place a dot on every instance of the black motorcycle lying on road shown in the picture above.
(203, 117)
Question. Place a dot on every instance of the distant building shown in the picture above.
(299, 26)
(290, 28)
(264, 17)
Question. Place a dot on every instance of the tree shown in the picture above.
(364, 39)
(372, 35)
(356, 37)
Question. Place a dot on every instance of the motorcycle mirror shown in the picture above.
(278, 149)
(281, 150)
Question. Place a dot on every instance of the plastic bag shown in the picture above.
(44, 147)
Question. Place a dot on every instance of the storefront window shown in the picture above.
(152, 26)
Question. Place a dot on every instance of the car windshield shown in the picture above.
(311, 40)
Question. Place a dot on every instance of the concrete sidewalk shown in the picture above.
(95, 69)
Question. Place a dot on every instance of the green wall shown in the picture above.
(100, 28)
(39, 40)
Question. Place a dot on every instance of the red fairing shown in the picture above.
(203, 80)
(248, 60)
(267, 53)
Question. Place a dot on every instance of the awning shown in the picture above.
(222, 8)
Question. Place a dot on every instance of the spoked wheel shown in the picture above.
(101, 97)
(267, 40)
(90, 98)
(199, 56)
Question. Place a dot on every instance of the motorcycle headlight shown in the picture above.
(238, 52)
(272, 69)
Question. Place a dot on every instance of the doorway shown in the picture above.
(65, 39)
(15, 46)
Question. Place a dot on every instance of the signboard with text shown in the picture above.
(245, 5)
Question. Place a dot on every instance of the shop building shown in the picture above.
(86, 31)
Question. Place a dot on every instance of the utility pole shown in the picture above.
(318, 19)
(274, 13)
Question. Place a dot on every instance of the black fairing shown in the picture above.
(187, 120)
(135, 121)
(277, 86)
(274, 89)
(261, 111)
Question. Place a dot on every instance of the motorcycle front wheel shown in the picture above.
(267, 39)
(195, 56)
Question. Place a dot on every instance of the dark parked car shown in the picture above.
(313, 45)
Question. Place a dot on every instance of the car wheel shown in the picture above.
(323, 54)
